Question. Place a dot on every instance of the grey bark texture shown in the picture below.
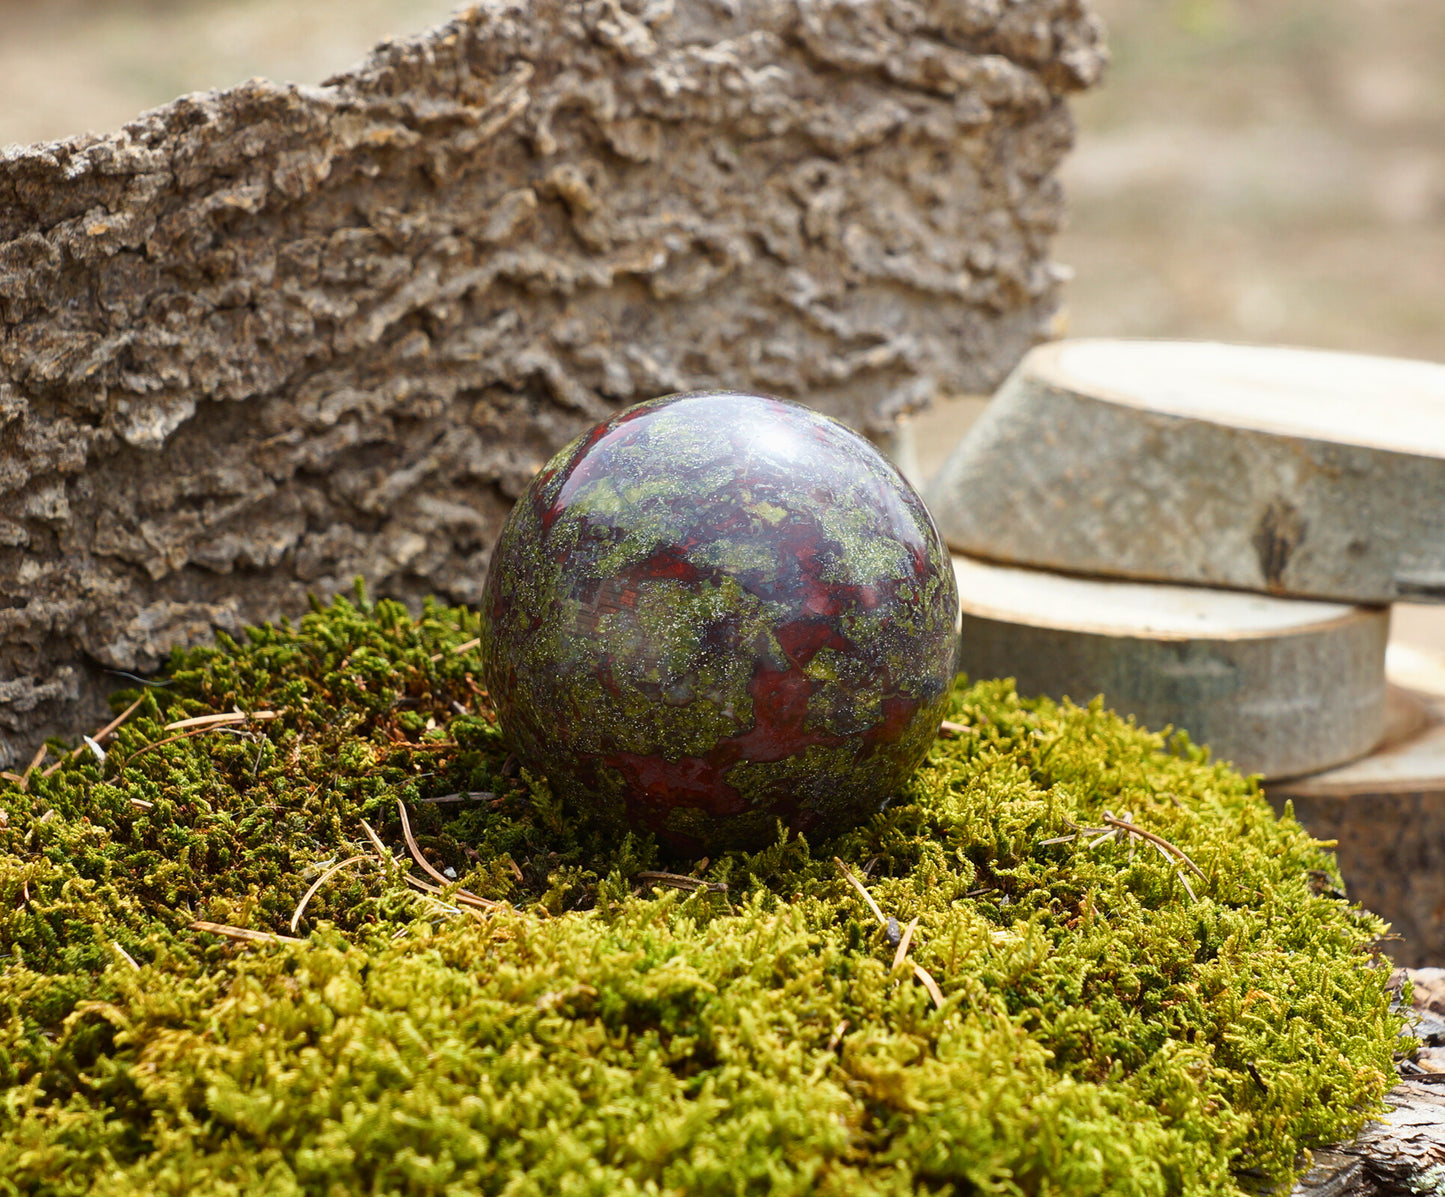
(263, 341)
(1402, 1155)
(1114, 478)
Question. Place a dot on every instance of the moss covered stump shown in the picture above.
(1097, 963)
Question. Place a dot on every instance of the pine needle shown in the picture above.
(382, 854)
(223, 718)
(318, 883)
(918, 970)
(929, 984)
(99, 738)
(852, 880)
(35, 764)
(460, 895)
(241, 934)
(124, 955)
(902, 953)
(415, 849)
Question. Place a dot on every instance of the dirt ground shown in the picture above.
(1268, 171)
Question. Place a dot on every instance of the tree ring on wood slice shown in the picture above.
(1276, 686)
(1387, 813)
(1287, 471)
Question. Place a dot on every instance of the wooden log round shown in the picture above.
(1292, 472)
(1276, 686)
(1386, 813)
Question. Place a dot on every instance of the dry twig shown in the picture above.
(465, 646)
(466, 796)
(185, 735)
(1157, 840)
(682, 881)
(1169, 851)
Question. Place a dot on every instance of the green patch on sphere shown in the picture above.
(1101, 1031)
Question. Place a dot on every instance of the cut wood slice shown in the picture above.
(1386, 813)
(1275, 686)
(1288, 471)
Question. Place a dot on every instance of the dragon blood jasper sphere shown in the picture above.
(716, 611)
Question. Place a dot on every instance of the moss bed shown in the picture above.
(605, 1032)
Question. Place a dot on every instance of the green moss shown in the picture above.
(1101, 1030)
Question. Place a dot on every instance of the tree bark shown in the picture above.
(1291, 472)
(266, 340)
(1399, 1156)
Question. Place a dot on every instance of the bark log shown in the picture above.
(265, 340)
(1275, 686)
(1292, 472)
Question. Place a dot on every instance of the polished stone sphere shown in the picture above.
(714, 612)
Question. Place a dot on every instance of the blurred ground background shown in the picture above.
(1253, 170)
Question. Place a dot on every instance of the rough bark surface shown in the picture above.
(263, 341)
(1402, 1155)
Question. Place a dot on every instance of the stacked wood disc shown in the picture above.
(1177, 477)
(1288, 471)
(1387, 813)
(1275, 686)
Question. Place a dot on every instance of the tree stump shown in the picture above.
(1387, 814)
(1275, 686)
(1293, 472)
(266, 340)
